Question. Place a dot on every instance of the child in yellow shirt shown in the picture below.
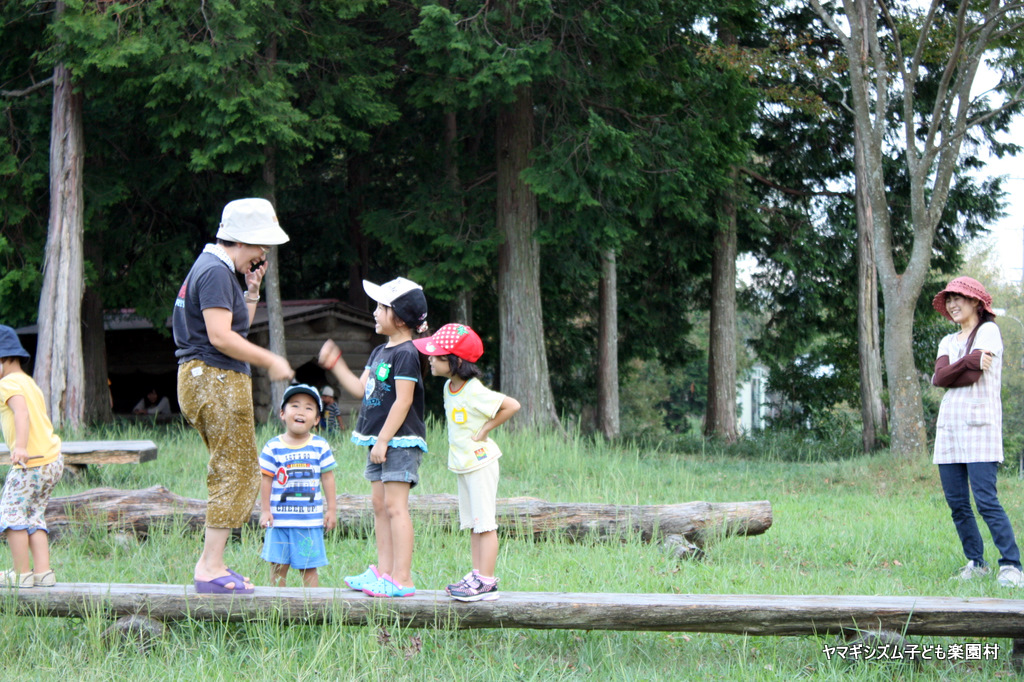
(472, 411)
(36, 466)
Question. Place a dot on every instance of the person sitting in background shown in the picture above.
(153, 404)
(332, 413)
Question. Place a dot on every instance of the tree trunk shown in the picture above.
(899, 290)
(931, 144)
(275, 310)
(272, 280)
(908, 431)
(58, 361)
(94, 352)
(524, 363)
(608, 348)
(869, 345)
(700, 522)
(721, 409)
(358, 179)
(99, 399)
(461, 308)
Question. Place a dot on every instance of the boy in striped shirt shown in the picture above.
(297, 493)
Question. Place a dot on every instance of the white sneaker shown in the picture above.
(1010, 576)
(48, 579)
(971, 570)
(12, 578)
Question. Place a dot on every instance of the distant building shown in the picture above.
(752, 401)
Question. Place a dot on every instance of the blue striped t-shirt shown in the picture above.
(296, 496)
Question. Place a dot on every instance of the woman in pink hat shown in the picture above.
(969, 430)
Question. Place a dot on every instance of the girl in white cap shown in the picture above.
(211, 319)
(391, 427)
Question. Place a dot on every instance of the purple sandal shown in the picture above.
(219, 585)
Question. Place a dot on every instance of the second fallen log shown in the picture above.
(698, 522)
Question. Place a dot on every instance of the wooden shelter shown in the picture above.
(307, 324)
(140, 357)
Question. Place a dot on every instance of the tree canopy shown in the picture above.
(378, 127)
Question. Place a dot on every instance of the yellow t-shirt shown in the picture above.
(43, 443)
(468, 409)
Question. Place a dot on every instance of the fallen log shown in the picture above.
(136, 510)
(740, 614)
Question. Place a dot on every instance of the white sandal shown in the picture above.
(48, 579)
(11, 578)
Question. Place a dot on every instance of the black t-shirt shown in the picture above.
(386, 364)
(211, 283)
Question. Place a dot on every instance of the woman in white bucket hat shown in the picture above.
(211, 321)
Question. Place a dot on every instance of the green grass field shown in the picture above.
(873, 525)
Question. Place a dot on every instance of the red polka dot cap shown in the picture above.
(965, 286)
(455, 339)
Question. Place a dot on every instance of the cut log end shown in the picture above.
(1017, 656)
(136, 631)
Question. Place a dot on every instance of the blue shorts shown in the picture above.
(296, 547)
(401, 465)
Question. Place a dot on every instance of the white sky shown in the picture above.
(1008, 234)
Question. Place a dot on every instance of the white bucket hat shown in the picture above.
(251, 221)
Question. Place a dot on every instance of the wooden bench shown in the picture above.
(78, 453)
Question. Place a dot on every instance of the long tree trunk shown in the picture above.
(358, 179)
(869, 348)
(462, 305)
(720, 418)
(931, 142)
(908, 428)
(94, 352)
(98, 397)
(899, 290)
(524, 363)
(608, 348)
(275, 311)
(58, 361)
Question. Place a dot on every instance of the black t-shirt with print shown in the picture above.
(386, 365)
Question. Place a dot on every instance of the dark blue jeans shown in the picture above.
(958, 481)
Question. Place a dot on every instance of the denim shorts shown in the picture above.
(299, 548)
(401, 465)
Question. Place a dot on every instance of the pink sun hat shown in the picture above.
(965, 286)
(454, 339)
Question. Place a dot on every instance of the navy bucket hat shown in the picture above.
(10, 346)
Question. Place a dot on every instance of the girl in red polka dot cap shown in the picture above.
(452, 339)
(472, 411)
